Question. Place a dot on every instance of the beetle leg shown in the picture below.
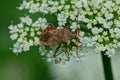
(76, 32)
(77, 40)
(56, 50)
(76, 45)
(66, 51)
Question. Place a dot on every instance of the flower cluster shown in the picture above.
(98, 21)
(25, 34)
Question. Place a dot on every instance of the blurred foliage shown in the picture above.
(25, 66)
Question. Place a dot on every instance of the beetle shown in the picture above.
(51, 36)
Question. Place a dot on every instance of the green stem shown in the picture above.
(107, 67)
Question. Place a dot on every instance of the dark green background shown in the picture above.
(25, 66)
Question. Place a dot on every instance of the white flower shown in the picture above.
(105, 33)
(41, 22)
(22, 6)
(117, 2)
(62, 19)
(111, 31)
(27, 29)
(38, 32)
(20, 40)
(117, 30)
(32, 34)
(100, 20)
(117, 23)
(95, 30)
(20, 25)
(109, 16)
(25, 5)
(110, 52)
(42, 50)
(104, 10)
(32, 29)
(106, 24)
(67, 7)
(13, 29)
(14, 36)
(89, 42)
(96, 3)
(44, 8)
(36, 41)
(106, 38)
(95, 38)
(53, 6)
(30, 42)
(26, 47)
(89, 25)
(53, 9)
(78, 4)
(17, 48)
(23, 34)
(49, 60)
(118, 44)
(21, 30)
(62, 2)
(109, 4)
(72, 17)
(50, 2)
(74, 26)
(60, 7)
(99, 49)
(81, 17)
(34, 8)
(100, 40)
(27, 20)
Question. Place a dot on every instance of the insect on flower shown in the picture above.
(51, 36)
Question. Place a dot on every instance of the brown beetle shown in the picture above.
(51, 36)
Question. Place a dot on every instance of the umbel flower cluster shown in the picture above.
(98, 21)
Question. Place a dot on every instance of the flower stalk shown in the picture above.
(107, 67)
